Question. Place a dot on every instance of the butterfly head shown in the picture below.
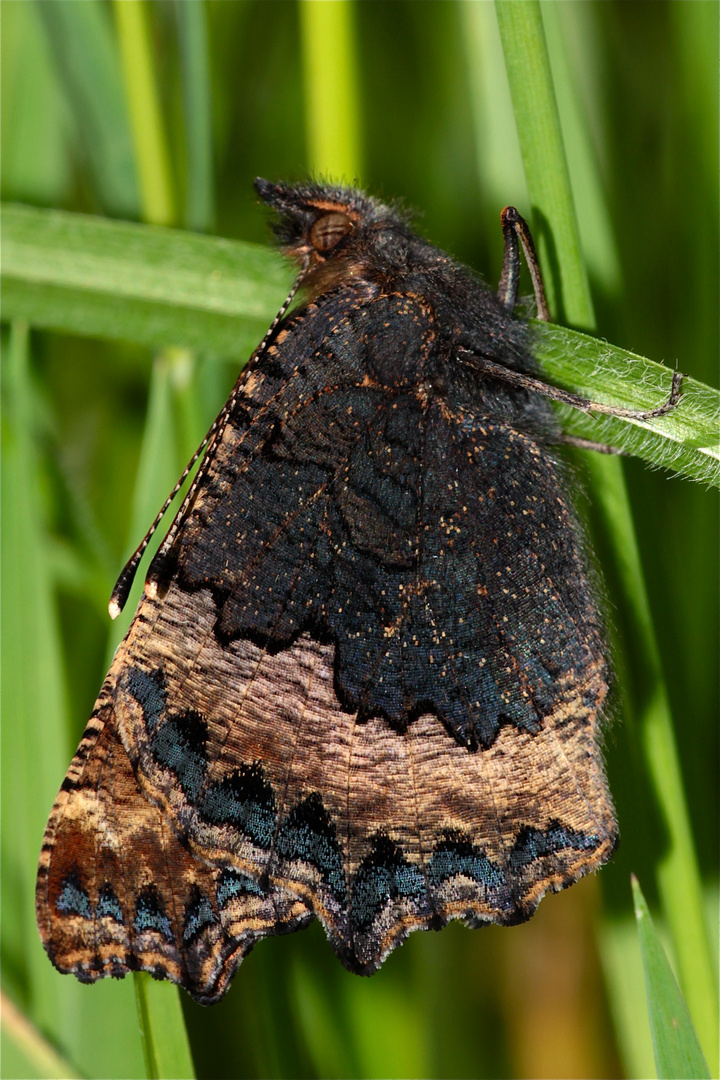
(321, 224)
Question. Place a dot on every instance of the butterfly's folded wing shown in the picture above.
(373, 677)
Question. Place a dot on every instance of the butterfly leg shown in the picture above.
(589, 444)
(516, 232)
(586, 405)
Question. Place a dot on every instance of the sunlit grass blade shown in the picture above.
(497, 150)
(151, 151)
(677, 1051)
(158, 469)
(172, 432)
(83, 45)
(549, 188)
(331, 92)
(598, 243)
(197, 105)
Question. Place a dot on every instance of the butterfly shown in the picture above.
(366, 679)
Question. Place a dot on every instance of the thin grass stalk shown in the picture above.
(330, 89)
(151, 148)
(165, 1040)
(199, 213)
(548, 183)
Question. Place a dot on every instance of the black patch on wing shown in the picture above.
(384, 875)
(422, 536)
(308, 835)
(150, 914)
(534, 844)
(148, 689)
(199, 915)
(458, 856)
(73, 899)
(180, 744)
(232, 884)
(108, 905)
(245, 800)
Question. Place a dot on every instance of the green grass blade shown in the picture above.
(548, 185)
(171, 434)
(497, 150)
(555, 227)
(677, 1051)
(151, 152)
(158, 469)
(83, 46)
(167, 1049)
(197, 106)
(332, 107)
(624, 979)
(598, 243)
(687, 440)
(155, 287)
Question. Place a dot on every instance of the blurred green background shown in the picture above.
(427, 118)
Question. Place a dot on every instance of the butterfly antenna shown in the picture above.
(211, 441)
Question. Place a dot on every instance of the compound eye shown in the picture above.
(327, 232)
